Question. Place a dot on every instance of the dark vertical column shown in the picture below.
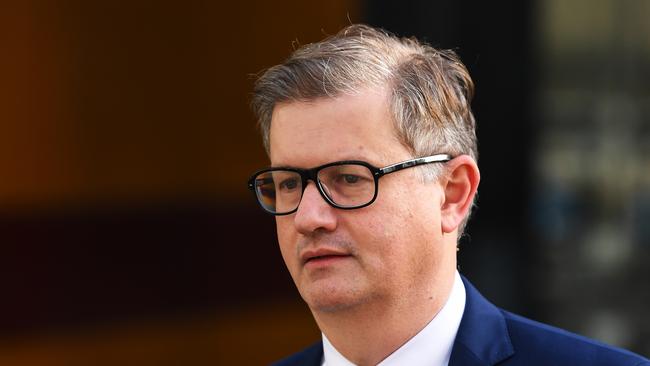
(494, 41)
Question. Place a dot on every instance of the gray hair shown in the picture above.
(430, 89)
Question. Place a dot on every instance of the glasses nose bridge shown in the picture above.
(312, 174)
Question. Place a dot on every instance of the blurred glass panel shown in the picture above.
(591, 194)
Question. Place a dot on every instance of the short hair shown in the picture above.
(430, 89)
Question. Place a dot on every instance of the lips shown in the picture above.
(322, 254)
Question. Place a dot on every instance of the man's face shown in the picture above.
(384, 253)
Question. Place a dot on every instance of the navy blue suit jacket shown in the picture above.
(490, 336)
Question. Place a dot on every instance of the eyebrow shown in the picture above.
(287, 166)
(368, 160)
(319, 165)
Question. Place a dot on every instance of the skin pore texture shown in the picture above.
(384, 271)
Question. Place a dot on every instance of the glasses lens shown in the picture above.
(278, 191)
(348, 185)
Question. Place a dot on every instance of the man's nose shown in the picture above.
(314, 212)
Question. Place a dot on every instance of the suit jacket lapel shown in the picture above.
(482, 337)
(310, 356)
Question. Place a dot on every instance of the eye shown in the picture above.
(350, 179)
(289, 184)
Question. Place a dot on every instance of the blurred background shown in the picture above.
(127, 234)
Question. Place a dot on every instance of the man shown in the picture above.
(373, 152)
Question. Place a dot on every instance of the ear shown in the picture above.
(459, 187)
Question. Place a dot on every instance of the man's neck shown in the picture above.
(369, 333)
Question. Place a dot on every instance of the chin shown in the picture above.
(330, 300)
(329, 306)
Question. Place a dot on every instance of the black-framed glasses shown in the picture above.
(346, 184)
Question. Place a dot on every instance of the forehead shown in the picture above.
(359, 127)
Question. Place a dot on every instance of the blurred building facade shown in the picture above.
(590, 202)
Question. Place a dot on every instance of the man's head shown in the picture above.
(429, 90)
(367, 96)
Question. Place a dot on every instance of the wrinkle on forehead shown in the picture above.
(348, 127)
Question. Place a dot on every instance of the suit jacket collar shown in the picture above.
(482, 337)
(312, 356)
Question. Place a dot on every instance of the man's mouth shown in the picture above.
(322, 256)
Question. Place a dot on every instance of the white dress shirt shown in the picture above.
(431, 346)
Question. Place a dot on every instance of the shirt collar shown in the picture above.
(431, 346)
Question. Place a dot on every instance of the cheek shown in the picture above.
(381, 242)
(403, 240)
